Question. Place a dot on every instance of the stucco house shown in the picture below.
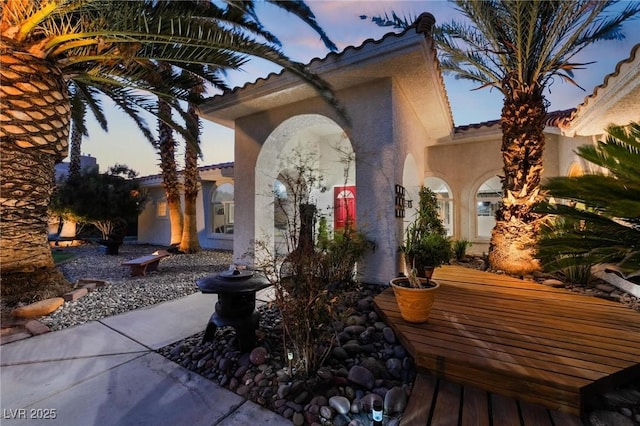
(215, 209)
(401, 135)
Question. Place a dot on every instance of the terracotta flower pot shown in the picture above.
(414, 303)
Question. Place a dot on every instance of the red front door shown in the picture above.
(344, 202)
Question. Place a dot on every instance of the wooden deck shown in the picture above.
(439, 402)
(516, 338)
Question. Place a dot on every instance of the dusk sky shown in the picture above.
(125, 144)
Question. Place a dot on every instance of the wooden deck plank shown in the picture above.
(534, 306)
(551, 395)
(475, 408)
(471, 302)
(504, 411)
(509, 285)
(544, 362)
(520, 339)
(567, 347)
(463, 313)
(418, 409)
(447, 408)
(549, 309)
(534, 414)
(563, 349)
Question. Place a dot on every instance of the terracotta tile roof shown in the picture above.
(464, 128)
(635, 52)
(315, 60)
(560, 118)
(221, 166)
(336, 55)
(554, 119)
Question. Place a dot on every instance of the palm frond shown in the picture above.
(302, 11)
(394, 20)
(89, 96)
(79, 34)
(619, 153)
(602, 222)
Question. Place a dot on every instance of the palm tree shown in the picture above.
(190, 242)
(519, 47)
(169, 171)
(600, 224)
(105, 43)
(166, 148)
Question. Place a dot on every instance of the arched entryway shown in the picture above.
(306, 159)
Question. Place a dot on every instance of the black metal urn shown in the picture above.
(236, 290)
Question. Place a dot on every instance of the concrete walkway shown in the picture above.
(107, 372)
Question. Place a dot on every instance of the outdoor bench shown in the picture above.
(141, 265)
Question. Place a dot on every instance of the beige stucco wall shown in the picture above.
(378, 168)
(153, 229)
(464, 166)
(470, 159)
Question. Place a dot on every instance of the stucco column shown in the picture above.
(377, 173)
(246, 153)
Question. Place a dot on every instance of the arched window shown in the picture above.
(445, 201)
(222, 209)
(488, 199)
(280, 199)
(575, 170)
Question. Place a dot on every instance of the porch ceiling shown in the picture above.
(407, 58)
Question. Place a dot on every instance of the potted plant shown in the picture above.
(426, 247)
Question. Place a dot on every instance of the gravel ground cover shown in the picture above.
(176, 278)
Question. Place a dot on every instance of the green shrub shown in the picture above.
(578, 274)
(460, 248)
(426, 243)
(341, 256)
(594, 219)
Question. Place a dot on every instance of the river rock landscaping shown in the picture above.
(366, 364)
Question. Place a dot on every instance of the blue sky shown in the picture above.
(340, 19)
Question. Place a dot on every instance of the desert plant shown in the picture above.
(460, 248)
(342, 253)
(599, 223)
(426, 243)
(578, 274)
(323, 234)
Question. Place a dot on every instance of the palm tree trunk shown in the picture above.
(190, 242)
(514, 238)
(34, 135)
(167, 148)
(75, 151)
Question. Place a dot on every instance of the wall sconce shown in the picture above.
(401, 202)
